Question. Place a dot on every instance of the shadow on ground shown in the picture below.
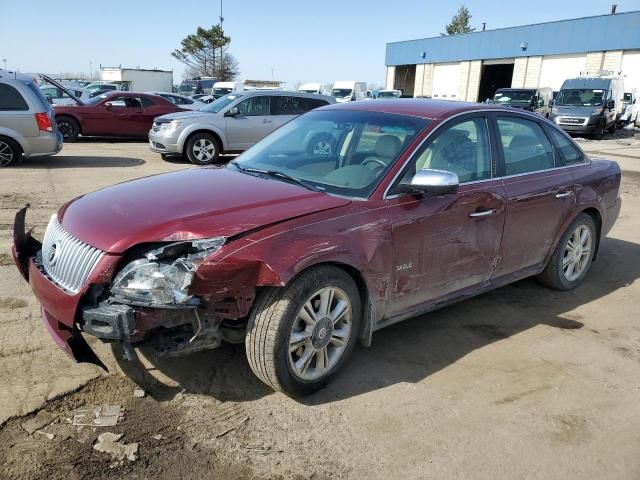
(413, 350)
(83, 161)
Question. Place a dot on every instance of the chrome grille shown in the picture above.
(67, 260)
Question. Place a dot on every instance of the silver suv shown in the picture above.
(27, 125)
(232, 123)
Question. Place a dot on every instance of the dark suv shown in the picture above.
(27, 126)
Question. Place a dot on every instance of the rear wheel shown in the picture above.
(573, 256)
(69, 128)
(300, 336)
(202, 149)
(10, 152)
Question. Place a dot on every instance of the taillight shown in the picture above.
(44, 122)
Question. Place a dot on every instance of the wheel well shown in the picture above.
(15, 142)
(66, 115)
(209, 132)
(597, 219)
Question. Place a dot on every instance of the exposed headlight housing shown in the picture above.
(555, 110)
(597, 111)
(172, 125)
(163, 277)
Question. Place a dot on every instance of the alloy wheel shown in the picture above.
(577, 253)
(66, 129)
(6, 154)
(204, 150)
(320, 333)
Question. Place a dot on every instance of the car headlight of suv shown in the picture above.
(172, 125)
(164, 276)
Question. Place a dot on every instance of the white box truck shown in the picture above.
(138, 79)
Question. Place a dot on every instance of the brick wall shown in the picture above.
(612, 61)
(391, 74)
(594, 61)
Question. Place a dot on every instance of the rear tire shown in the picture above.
(300, 336)
(202, 149)
(10, 152)
(573, 255)
(69, 128)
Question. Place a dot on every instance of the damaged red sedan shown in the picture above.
(414, 204)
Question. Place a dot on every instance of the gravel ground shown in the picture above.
(524, 380)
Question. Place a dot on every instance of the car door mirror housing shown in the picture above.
(439, 182)
(108, 105)
(611, 104)
(233, 112)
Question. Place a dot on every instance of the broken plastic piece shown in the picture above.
(108, 442)
(100, 416)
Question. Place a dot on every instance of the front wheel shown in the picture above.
(573, 256)
(299, 337)
(202, 149)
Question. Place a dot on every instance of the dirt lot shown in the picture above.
(522, 382)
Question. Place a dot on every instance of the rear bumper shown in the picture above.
(44, 144)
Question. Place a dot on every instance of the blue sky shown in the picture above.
(300, 40)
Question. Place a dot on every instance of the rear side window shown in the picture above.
(526, 147)
(146, 102)
(285, 105)
(11, 100)
(311, 103)
(568, 151)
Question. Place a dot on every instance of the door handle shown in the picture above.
(482, 213)
(266, 120)
(564, 194)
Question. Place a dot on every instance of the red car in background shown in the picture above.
(113, 114)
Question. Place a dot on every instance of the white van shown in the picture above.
(319, 88)
(222, 88)
(349, 91)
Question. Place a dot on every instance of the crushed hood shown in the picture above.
(188, 204)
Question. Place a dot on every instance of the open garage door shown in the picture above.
(631, 70)
(446, 77)
(405, 79)
(495, 75)
(557, 68)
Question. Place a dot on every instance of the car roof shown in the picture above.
(17, 76)
(417, 107)
(281, 93)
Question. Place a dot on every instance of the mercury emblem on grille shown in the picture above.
(53, 254)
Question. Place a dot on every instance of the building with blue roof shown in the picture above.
(472, 66)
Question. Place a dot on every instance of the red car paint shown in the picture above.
(278, 230)
(102, 120)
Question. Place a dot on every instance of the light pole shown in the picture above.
(90, 70)
(4, 60)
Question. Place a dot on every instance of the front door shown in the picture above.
(540, 193)
(447, 243)
(252, 124)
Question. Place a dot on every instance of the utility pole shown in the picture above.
(90, 70)
(4, 60)
(222, 30)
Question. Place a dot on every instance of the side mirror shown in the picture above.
(551, 103)
(233, 112)
(108, 105)
(541, 102)
(611, 104)
(439, 182)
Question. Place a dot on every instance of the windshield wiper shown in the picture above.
(277, 174)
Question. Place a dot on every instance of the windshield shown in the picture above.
(513, 96)
(586, 97)
(340, 152)
(219, 104)
(95, 100)
(341, 92)
(222, 91)
(388, 94)
(308, 90)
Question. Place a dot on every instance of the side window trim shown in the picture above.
(434, 135)
(563, 160)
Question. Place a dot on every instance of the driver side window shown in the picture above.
(462, 148)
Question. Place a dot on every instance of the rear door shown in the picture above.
(540, 192)
(444, 244)
(252, 124)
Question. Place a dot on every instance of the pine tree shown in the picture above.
(459, 22)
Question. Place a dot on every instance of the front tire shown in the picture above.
(202, 149)
(69, 128)
(300, 336)
(573, 256)
(10, 152)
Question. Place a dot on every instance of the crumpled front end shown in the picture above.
(143, 296)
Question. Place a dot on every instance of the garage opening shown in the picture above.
(405, 79)
(493, 77)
